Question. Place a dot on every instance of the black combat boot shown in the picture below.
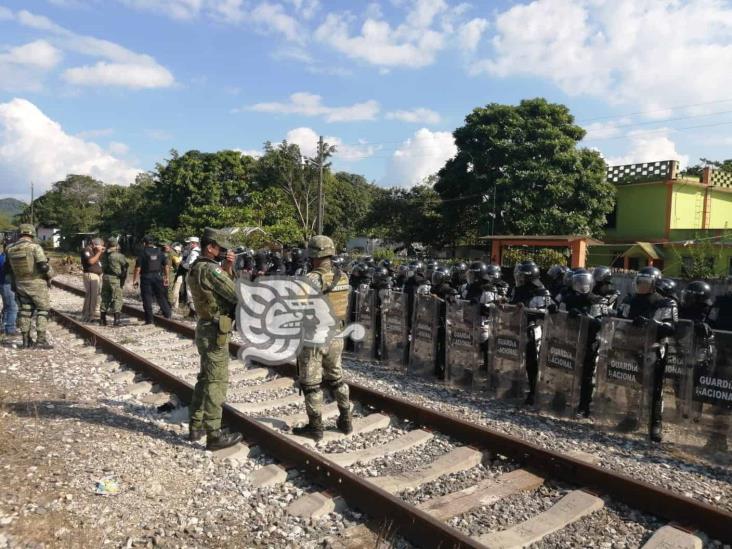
(220, 439)
(117, 321)
(312, 429)
(196, 435)
(344, 423)
(656, 431)
(42, 343)
(102, 319)
(27, 341)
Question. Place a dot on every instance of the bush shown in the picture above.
(384, 253)
(544, 257)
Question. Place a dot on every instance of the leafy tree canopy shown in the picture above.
(519, 170)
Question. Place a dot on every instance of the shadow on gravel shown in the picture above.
(60, 409)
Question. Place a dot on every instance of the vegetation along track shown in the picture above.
(424, 524)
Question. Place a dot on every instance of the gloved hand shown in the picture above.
(552, 308)
(640, 321)
(702, 329)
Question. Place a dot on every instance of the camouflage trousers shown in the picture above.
(112, 298)
(32, 298)
(213, 378)
(316, 365)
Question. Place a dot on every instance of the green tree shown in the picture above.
(519, 170)
(348, 199)
(697, 169)
(72, 205)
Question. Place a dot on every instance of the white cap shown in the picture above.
(193, 239)
(177, 247)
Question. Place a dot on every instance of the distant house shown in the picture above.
(363, 244)
(49, 234)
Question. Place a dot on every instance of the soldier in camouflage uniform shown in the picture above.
(212, 288)
(32, 277)
(114, 267)
(318, 364)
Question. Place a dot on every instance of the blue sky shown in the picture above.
(108, 87)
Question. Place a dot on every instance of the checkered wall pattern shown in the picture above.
(721, 179)
(648, 171)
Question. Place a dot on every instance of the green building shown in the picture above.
(677, 223)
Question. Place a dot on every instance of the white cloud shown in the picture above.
(307, 140)
(273, 18)
(419, 157)
(410, 44)
(416, 116)
(649, 146)
(35, 148)
(5, 13)
(23, 67)
(470, 33)
(91, 134)
(120, 66)
(306, 8)
(254, 153)
(118, 149)
(309, 104)
(627, 51)
(175, 9)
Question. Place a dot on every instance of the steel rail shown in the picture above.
(415, 525)
(682, 510)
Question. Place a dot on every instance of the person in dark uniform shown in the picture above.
(484, 287)
(720, 317)
(151, 276)
(531, 293)
(645, 306)
(555, 279)
(442, 289)
(382, 287)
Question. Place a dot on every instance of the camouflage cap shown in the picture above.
(215, 237)
(112, 242)
(26, 229)
(321, 246)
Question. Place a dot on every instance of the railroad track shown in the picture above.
(262, 397)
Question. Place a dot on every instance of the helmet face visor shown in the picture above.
(644, 284)
(520, 278)
(582, 283)
(472, 277)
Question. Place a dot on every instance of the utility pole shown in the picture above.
(321, 206)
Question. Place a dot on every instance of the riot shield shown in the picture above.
(627, 355)
(395, 333)
(563, 351)
(462, 341)
(365, 309)
(352, 309)
(710, 394)
(679, 368)
(506, 372)
(423, 348)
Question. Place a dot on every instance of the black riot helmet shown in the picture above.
(260, 260)
(459, 267)
(567, 278)
(582, 281)
(602, 275)
(440, 275)
(646, 279)
(525, 272)
(368, 274)
(697, 293)
(386, 264)
(338, 261)
(476, 271)
(493, 273)
(381, 278)
(297, 255)
(414, 268)
(556, 273)
(357, 270)
(666, 287)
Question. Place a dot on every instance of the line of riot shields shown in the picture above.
(610, 363)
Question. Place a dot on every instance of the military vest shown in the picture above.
(208, 304)
(336, 292)
(114, 263)
(22, 259)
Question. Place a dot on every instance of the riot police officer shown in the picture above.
(441, 289)
(667, 288)
(555, 276)
(318, 364)
(459, 275)
(276, 265)
(31, 278)
(381, 285)
(645, 306)
(605, 290)
(578, 300)
(484, 287)
(696, 304)
(720, 316)
(531, 293)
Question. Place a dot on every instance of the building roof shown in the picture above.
(535, 237)
(646, 248)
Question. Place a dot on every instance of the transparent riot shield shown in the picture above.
(710, 394)
(352, 309)
(365, 316)
(679, 369)
(563, 350)
(423, 348)
(627, 355)
(506, 372)
(395, 333)
(463, 356)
